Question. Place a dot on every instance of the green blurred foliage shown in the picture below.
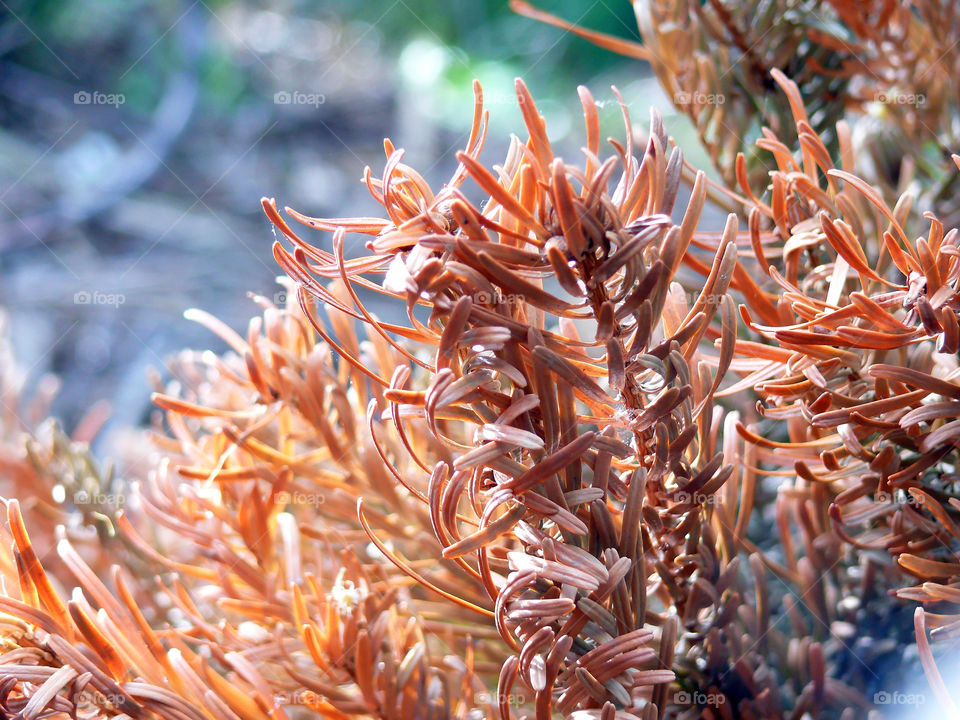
(104, 41)
(488, 30)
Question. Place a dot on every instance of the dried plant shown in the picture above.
(892, 66)
(574, 482)
(541, 513)
(263, 607)
(857, 364)
(646, 483)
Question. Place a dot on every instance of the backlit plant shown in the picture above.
(613, 464)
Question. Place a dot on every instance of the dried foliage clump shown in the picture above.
(891, 65)
(594, 443)
(602, 463)
(551, 526)
(858, 363)
(268, 595)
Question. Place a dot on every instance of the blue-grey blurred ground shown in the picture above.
(136, 140)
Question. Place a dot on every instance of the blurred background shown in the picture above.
(137, 138)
